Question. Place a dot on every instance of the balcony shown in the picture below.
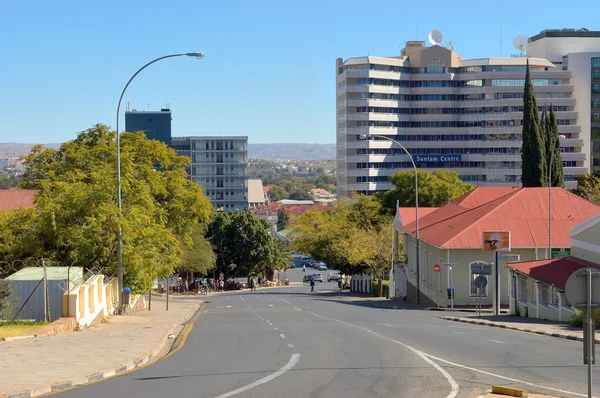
(574, 142)
(575, 170)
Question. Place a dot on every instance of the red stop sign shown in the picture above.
(436, 268)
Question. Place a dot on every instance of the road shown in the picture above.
(287, 342)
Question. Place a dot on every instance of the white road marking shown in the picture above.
(270, 324)
(291, 363)
(270, 305)
(282, 335)
(224, 306)
(275, 328)
(454, 331)
(453, 384)
(387, 324)
(285, 301)
(496, 341)
(290, 345)
(457, 327)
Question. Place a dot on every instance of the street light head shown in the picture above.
(362, 137)
(197, 55)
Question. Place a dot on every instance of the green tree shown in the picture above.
(277, 193)
(6, 303)
(199, 257)
(588, 187)
(553, 157)
(534, 165)
(282, 219)
(300, 194)
(76, 218)
(435, 189)
(9, 181)
(242, 243)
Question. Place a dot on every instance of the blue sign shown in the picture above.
(437, 158)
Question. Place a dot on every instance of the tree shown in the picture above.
(553, 156)
(6, 303)
(282, 219)
(9, 181)
(533, 159)
(75, 220)
(435, 189)
(588, 187)
(199, 257)
(242, 242)
(278, 193)
(300, 195)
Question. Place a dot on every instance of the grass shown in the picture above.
(19, 328)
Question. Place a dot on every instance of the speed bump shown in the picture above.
(512, 392)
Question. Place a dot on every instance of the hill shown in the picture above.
(292, 151)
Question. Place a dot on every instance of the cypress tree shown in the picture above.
(533, 157)
(552, 138)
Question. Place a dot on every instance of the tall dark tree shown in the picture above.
(554, 160)
(282, 219)
(533, 153)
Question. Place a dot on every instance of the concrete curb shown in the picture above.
(502, 326)
(108, 373)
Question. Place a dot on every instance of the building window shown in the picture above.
(522, 289)
(544, 294)
(473, 293)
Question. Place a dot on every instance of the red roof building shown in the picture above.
(12, 199)
(408, 214)
(523, 211)
(554, 271)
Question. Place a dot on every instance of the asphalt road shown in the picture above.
(288, 342)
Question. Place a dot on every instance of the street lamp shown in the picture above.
(120, 232)
(561, 136)
(364, 137)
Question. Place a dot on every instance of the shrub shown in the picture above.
(6, 304)
(579, 317)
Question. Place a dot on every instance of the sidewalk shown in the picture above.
(36, 366)
(523, 324)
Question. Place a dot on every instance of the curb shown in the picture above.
(95, 377)
(502, 326)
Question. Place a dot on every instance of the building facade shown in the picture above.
(449, 112)
(577, 51)
(155, 124)
(220, 167)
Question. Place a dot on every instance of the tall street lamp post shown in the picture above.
(561, 136)
(364, 137)
(120, 232)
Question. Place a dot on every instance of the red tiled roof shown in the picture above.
(266, 189)
(407, 214)
(524, 212)
(320, 191)
(11, 199)
(552, 271)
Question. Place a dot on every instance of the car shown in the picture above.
(307, 278)
(333, 277)
(317, 278)
(323, 267)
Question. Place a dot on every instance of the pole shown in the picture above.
(550, 203)
(167, 294)
(452, 291)
(497, 284)
(119, 201)
(46, 298)
(150, 300)
(590, 331)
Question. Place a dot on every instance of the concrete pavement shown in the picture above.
(62, 361)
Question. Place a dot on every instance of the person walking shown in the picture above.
(312, 285)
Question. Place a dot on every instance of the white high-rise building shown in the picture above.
(220, 167)
(449, 112)
(577, 51)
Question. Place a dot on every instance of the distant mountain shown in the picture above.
(292, 151)
(255, 151)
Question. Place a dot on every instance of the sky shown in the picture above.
(269, 66)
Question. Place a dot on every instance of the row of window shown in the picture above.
(436, 68)
(451, 111)
(455, 83)
(456, 137)
(444, 124)
(437, 165)
(439, 151)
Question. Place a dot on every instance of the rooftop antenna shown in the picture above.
(520, 43)
(435, 37)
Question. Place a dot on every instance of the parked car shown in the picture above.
(307, 278)
(333, 277)
(317, 278)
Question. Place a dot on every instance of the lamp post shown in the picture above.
(561, 136)
(120, 232)
(364, 137)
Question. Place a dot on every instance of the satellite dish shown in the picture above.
(520, 43)
(435, 37)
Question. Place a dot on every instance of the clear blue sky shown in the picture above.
(269, 67)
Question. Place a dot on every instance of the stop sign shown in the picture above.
(436, 268)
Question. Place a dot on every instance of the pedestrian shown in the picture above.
(312, 285)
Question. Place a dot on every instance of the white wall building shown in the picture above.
(220, 167)
(577, 51)
(449, 112)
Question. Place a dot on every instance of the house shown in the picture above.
(256, 194)
(12, 199)
(537, 288)
(451, 236)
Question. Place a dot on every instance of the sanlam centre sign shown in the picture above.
(437, 158)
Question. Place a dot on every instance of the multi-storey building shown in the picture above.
(577, 51)
(220, 167)
(155, 124)
(451, 113)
